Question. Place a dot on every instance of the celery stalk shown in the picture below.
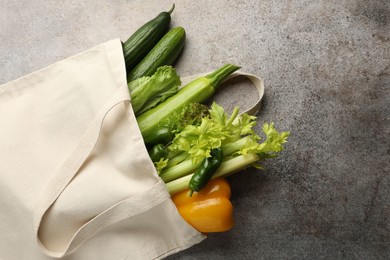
(178, 171)
(177, 159)
(177, 167)
(225, 169)
(230, 148)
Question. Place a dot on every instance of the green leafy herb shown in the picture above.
(191, 114)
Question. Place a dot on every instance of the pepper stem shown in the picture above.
(216, 77)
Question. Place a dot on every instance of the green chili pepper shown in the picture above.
(157, 152)
(206, 171)
(163, 135)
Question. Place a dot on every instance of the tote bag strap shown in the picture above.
(255, 80)
(122, 210)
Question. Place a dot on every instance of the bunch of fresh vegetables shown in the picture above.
(193, 146)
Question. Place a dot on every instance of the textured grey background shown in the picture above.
(326, 66)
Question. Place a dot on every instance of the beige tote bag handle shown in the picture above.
(256, 81)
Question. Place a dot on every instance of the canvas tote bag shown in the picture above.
(76, 181)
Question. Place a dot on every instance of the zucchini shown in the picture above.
(163, 53)
(137, 46)
(197, 91)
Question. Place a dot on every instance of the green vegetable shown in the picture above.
(191, 114)
(136, 47)
(226, 168)
(161, 135)
(197, 91)
(176, 171)
(172, 170)
(234, 134)
(214, 131)
(206, 171)
(157, 152)
(164, 52)
(147, 92)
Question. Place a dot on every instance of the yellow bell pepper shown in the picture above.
(209, 210)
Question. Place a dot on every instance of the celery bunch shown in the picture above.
(241, 146)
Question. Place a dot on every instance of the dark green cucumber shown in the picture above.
(145, 38)
(163, 53)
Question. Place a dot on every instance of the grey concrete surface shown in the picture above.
(326, 67)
